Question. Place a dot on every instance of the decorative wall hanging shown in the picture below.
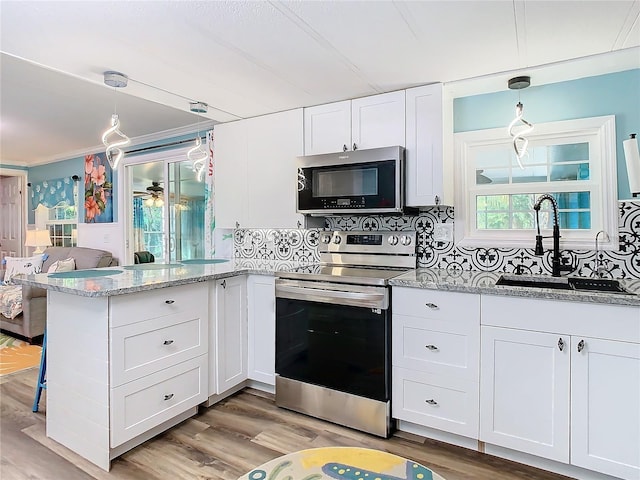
(98, 186)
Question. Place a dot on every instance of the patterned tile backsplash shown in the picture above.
(302, 245)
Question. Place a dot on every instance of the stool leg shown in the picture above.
(41, 374)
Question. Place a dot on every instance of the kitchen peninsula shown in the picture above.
(133, 350)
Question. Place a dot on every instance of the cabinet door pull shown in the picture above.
(581, 345)
(299, 223)
(169, 302)
(344, 147)
(167, 342)
(224, 284)
(237, 224)
(433, 348)
(168, 397)
(560, 344)
(355, 147)
(432, 306)
(431, 401)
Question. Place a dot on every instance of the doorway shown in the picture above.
(12, 208)
(166, 208)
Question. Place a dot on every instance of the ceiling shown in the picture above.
(251, 58)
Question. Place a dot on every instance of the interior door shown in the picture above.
(11, 202)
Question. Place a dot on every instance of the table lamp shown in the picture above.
(38, 238)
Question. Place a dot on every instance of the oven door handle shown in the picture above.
(379, 300)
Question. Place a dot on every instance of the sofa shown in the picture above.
(31, 322)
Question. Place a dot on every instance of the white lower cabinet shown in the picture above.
(574, 396)
(524, 391)
(261, 312)
(230, 333)
(435, 358)
(605, 406)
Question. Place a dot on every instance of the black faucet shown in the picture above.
(556, 267)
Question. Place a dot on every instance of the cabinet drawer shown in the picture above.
(433, 346)
(436, 304)
(145, 403)
(434, 401)
(145, 347)
(136, 307)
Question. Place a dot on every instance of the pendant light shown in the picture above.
(113, 138)
(520, 142)
(198, 155)
(632, 157)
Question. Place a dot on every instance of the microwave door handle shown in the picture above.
(355, 299)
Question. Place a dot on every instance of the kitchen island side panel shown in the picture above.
(78, 374)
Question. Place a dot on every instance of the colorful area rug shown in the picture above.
(16, 355)
(341, 463)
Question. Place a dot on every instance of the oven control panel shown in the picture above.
(351, 242)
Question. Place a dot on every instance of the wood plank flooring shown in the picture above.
(221, 442)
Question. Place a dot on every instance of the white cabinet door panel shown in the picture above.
(230, 160)
(378, 120)
(424, 161)
(605, 407)
(524, 391)
(327, 128)
(261, 311)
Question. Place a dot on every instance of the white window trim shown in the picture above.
(601, 134)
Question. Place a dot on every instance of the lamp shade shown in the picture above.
(37, 238)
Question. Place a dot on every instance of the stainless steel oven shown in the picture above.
(333, 330)
(360, 182)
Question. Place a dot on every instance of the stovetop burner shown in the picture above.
(362, 258)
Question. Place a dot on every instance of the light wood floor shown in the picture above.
(221, 442)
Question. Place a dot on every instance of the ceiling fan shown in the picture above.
(154, 194)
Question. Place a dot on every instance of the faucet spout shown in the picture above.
(556, 267)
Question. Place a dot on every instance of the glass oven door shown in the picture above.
(341, 347)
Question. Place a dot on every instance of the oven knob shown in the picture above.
(393, 240)
(337, 239)
(405, 240)
(325, 238)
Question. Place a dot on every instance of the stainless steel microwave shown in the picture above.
(354, 182)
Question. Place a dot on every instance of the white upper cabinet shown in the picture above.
(368, 122)
(230, 160)
(255, 175)
(327, 128)
(378, 121)
(424, 156)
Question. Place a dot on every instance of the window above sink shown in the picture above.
(572, 160)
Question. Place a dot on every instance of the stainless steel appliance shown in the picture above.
(333, 329)
(353, 182)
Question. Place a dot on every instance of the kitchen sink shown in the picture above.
(564, 283)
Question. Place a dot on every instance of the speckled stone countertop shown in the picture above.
(485, 283)
(126, 280)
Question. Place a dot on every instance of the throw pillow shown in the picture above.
(18, 265)
(66, 265)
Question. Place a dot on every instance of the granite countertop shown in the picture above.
(142, 277)
(485, 283)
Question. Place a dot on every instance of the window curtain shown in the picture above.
(138, 225)
(52, 193)
(209, 204)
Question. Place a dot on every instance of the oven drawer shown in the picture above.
(143, 404)
(434, 401)
(437, 346)
(436, 304)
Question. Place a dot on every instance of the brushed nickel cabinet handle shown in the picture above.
(432, 306)
(237, 224)
(560, 344)
(167, 342)
(224, 284)
(168, 397)
(581, 346)
(344, 147)
(169, 302)
(355, 147)
(433, 348)
(431, 401)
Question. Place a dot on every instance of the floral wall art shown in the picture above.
(98, 187)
